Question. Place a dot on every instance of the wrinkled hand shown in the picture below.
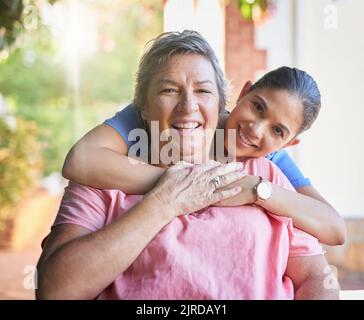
(247, 194)
(186, 188)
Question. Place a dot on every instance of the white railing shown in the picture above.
(352, 295)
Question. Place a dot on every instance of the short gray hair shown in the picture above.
(162, 49)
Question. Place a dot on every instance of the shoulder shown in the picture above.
(89, 207)
(278, 155)
(127, 113)
(78, 193)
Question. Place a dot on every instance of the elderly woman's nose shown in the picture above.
(187, 104)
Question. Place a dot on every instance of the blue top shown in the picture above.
(127, 119)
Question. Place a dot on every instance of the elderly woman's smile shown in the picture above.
(183, 97)
(186, 126)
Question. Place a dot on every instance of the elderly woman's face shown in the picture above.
(183, 97)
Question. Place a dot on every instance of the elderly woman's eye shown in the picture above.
(169, 90)
(203, 91)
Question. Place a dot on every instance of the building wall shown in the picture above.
(277, 36)
(243, 60)
(333, 150)
(204, 16)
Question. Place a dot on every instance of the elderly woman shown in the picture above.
(169, 244)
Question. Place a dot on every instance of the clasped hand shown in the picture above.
(187, 188)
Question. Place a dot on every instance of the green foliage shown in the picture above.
(35, 81)
(59, 127)
(55, 123)
(256, 10)
(16, 16)
(10, 22)
(20, 160)
(36, 85)
(108, 75)
(31, 76)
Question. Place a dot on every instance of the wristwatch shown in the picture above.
(263, 190)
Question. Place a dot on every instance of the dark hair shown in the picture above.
(297, 82)
(162, 49)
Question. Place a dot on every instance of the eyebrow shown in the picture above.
(169, 81)
(265, 106)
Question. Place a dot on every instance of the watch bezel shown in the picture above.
(264, 190)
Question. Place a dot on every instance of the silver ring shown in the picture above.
(217, 182)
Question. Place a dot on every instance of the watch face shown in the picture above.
(264, 190)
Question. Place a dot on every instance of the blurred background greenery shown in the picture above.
(67, 65)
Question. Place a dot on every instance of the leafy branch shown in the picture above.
(16, 16)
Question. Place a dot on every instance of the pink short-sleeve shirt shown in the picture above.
(215, 253)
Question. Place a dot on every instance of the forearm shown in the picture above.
(100, 256)
(108, 169)
(307, 213)
(314, 289)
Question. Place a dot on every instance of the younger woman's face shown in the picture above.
(264, 120)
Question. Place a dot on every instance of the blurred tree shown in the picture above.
(33, 78)
(31, 75)
(10, 22)
(125, 27)
(15, 17)
(35, 86)
(20, 162)
(258, 11)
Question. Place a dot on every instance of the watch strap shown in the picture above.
(256, 188)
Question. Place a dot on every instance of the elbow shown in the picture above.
(66, 172)
(46, 293)
(55, 294)
(341, 233)
(47, 289)
(43, 293)
(70, 165)
(342, 236)
(49, 286)
(53, 287)
(335, 234)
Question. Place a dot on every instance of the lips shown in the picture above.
(187, 127)
(244, 140)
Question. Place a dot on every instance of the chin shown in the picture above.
(194, 157)
(242, 154)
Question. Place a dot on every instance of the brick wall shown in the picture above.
(242, 58)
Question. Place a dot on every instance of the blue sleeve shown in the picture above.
(289, 168)
(124, 121)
